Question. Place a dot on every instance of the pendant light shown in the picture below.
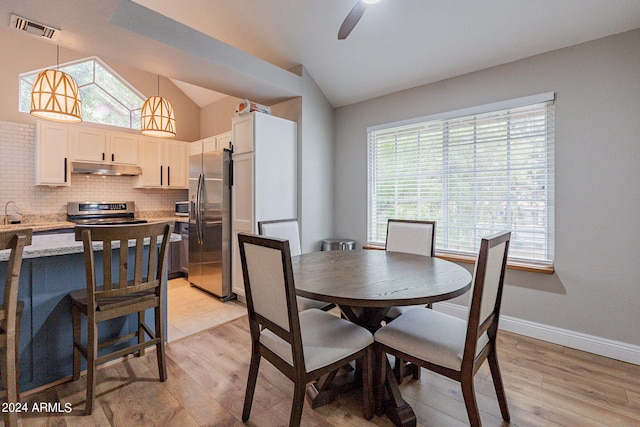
(156, 117)
(55, 96)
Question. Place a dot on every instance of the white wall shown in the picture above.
(596, 287)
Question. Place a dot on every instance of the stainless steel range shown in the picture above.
(102, 213)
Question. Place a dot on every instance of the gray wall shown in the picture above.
(596, 287)
(215, 118)
(315, 117)
(315, 166)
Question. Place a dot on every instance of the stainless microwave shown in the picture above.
(182, 208)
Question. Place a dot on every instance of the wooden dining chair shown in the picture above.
(288, 229)
(137, 287)
(10, 317)
(303, 345)
(451, 346)
(413, 237)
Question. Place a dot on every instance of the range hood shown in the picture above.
(104, 169)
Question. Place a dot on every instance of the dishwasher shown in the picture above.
(184, 248)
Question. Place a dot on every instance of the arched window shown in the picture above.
(107, 98)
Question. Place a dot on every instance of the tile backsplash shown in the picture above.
(17, 177)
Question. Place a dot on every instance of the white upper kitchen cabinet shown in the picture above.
(52, 154)
(196, 147)
(264, 177)
(177, 162)
(124, 148)
(164, 163)
(224, 140)
(209, 144)
(212, 143)
(90, 145)
(100, 146)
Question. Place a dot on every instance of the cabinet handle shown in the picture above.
(160, 175)
(113, 157)
(65, 169)
(102, 156)
(168, 176)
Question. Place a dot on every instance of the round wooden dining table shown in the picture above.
(365, 284)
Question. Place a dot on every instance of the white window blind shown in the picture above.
(474, 174)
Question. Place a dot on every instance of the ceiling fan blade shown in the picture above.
(351, 20)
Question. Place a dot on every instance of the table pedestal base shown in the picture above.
(325, 390)
(393, 405)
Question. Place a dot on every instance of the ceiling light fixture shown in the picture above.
(55, 96)
(156, 117)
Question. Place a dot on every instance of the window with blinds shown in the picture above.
(475, 174)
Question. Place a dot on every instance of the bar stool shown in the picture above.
(10, 316)
(120, 297)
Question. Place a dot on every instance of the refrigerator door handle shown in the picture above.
(197, 210)
(200, 209)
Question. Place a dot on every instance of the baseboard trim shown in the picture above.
(579, 341)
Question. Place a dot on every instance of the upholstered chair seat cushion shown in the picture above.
(428, 335)
(326, 339)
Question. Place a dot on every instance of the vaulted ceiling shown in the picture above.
(244, 47)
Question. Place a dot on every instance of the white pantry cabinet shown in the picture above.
(164, 163)
(100, 146)
(53, 167)
(264, 177)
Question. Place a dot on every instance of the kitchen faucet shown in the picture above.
(6, 215)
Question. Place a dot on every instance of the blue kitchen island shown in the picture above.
(52, 267)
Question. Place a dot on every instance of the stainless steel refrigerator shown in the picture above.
(210, 183)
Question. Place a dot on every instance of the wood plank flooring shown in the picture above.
(546, 385)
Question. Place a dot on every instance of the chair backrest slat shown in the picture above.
(106, 261)
(137, 275)
(286, 229)
(153, 256)
(486, 291)
(124, 264)
(409, 236)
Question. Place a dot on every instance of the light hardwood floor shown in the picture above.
(546, 385)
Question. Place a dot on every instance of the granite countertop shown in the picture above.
(48, 224)
(63, 244)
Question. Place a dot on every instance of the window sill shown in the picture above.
(511, 265)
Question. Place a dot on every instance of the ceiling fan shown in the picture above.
(353, 17)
